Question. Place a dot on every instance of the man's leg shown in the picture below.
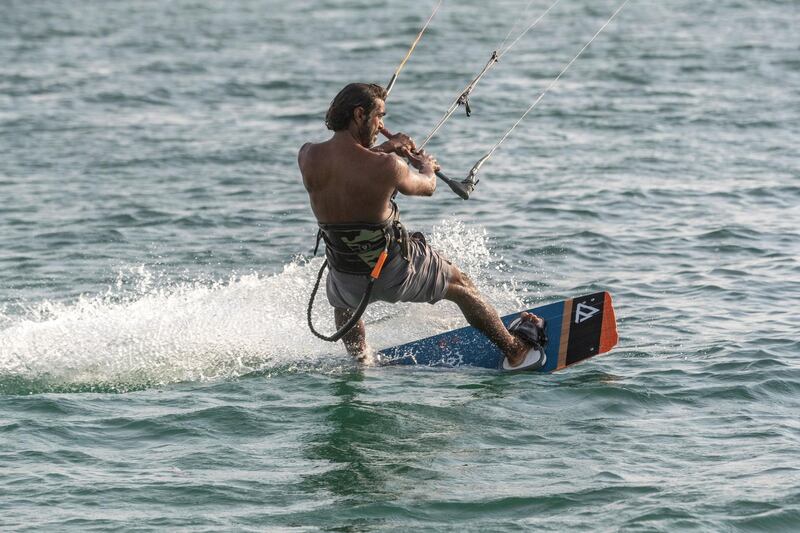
(484, 317)
(356, 339)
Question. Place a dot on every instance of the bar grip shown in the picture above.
(461, 188)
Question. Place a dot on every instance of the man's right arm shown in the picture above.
(418, 181)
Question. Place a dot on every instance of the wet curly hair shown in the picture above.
(354, 95)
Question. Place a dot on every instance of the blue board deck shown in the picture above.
(577, 329)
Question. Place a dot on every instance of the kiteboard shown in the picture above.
(577, 329)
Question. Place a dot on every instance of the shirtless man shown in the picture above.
(351, 184)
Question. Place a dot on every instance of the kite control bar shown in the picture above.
(465, 187)
(461, 188)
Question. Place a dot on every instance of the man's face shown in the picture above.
(372, 124)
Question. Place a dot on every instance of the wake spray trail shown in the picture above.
(163, 332)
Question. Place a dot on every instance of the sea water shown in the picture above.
(156, 370)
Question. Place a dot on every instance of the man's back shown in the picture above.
(346, 182)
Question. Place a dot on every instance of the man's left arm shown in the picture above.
(399, 143)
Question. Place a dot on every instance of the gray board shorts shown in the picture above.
(423, 278)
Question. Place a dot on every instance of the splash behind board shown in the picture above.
(577, 329)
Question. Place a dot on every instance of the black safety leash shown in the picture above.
(362, 306)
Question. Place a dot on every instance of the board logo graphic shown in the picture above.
(584, 312)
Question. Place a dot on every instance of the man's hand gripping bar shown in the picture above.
(462, 188)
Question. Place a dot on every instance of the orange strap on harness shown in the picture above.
(376, 272)
(356, 316)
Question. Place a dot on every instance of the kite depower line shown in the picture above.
(465, 187)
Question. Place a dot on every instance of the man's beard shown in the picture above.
(366, 136)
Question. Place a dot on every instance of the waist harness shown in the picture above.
(361, 249)
(354, 248)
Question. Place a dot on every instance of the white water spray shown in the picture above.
(164, 332)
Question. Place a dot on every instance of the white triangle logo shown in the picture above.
(584, 312)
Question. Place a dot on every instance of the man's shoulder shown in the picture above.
(370, 164)
(304, 150)
(309, 154)
(387, 165)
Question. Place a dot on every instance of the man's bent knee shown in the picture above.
(459, 286)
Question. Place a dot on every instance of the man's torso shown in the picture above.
(345, 182)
